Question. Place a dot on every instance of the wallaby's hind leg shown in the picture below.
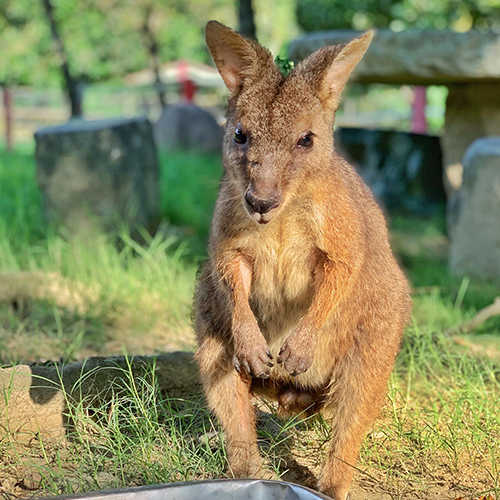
(228, 395)
(356, 402)
(294, 402)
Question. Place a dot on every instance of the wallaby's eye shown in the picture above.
(239, 136)
(306, 140)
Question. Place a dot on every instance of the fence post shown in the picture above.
(7, 107)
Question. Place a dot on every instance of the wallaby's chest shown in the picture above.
(282, 278)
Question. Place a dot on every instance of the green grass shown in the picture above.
(189, 183)
(126, 289)
(437, 436)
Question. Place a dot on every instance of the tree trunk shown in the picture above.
(152, 47)
(71, 83)
(246, 19)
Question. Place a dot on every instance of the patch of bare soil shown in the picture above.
(371, 482)
(25, 469)
(388, 477)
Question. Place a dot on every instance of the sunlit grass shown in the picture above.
(134, 295)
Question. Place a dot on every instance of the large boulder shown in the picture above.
(185, 126)
(98, 175)
(475, 232)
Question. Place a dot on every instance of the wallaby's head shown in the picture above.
(279, 130)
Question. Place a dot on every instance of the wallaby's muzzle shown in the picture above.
(261, 210)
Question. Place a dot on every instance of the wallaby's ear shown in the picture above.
(331, 66)
(234, 56)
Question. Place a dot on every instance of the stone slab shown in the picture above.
(99, 174)
(472, 112)
(416, 57)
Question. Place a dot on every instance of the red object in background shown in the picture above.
(7, 108)
(418, 118)
(188, 90)
(188, 87)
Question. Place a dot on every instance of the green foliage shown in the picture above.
(285, 65)
(276, 24)
(317, 15)
(27, 56)
(103, 38)
(21, 221)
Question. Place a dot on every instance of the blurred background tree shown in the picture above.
(246, 19)
(458, 15)
(26, 45)
(75, 43)
(106, 40)
(71, 82)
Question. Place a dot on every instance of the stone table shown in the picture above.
(467, 63)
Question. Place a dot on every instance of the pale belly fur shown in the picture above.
(282, 284)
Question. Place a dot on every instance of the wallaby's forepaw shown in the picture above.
(295, 356)
(254, 360)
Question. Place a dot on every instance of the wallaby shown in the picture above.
(301, 298)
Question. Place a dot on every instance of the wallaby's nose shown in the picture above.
(258, 205)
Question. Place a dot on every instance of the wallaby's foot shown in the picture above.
(292, 402)
(245, 462)
(337, 492)
(269, 475)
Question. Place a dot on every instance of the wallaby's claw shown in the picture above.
(294, 361)
(254, 363)
(236, 364)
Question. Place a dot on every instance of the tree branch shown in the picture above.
(483, 315)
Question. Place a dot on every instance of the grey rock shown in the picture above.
(472, 112)
(185, 126)
(475, 234)
(416, 57)
(98, 175)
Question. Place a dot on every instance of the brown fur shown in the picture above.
(304, 303)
